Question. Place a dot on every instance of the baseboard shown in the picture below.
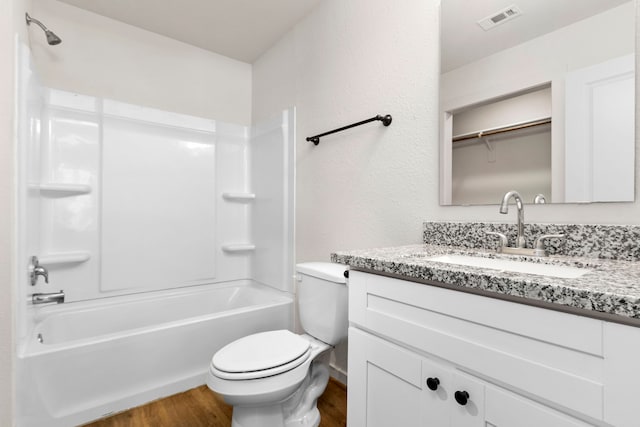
(338, 374)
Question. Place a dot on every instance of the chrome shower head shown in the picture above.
(52, 38)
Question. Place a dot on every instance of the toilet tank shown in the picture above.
(323, 300)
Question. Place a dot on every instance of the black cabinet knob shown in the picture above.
(433, 383)
(462, 397)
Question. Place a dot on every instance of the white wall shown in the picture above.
(108, 59)
(11, 23)
(6, 234)
(348, 61)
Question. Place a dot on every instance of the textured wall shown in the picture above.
(346, 62)
(106, 58)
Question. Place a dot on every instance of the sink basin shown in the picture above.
(550, 270)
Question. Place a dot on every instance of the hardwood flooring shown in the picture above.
(200, 407)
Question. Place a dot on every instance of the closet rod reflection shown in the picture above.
(501, 130)
(386, 120)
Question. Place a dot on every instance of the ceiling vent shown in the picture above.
(500, 17)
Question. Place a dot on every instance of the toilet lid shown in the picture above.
(273, 351)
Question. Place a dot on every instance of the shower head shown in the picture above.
(52, 39)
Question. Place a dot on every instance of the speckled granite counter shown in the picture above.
(611, 290)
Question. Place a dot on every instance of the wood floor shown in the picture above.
(200, 407)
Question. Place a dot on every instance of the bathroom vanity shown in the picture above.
(433, 342)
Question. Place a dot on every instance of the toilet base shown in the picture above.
(254, 416)
(299, 410)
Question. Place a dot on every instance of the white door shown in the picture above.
(599, 139)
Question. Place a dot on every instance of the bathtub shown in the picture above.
(88, 360)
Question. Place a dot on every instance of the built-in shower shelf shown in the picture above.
(239, 247)
(58, 189)
(239, 197)
(64, 258)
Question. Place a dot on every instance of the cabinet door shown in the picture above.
(467, 401)
(438, 394)
(385, 383)
(505, 409)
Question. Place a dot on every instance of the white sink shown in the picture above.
(551, 270)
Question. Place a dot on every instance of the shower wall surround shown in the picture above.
(134, 199)
(621, 242)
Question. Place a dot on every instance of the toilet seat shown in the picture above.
(261, 355)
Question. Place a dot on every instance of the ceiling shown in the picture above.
(239, 29)
(464, 41)
(244, 29)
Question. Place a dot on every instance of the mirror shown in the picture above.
(537, 96)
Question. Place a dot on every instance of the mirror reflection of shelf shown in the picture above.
(64, 258)
(58, 189)
(239, 247)
(239, 197)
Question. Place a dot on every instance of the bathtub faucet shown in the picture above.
(35, 270)
(47, 298)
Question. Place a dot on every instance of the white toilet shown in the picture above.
(273, 379)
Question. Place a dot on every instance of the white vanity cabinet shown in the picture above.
(515, 365)
(388, 387)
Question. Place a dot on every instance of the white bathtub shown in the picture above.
(97, 358)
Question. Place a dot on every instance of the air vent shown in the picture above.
(500, 17)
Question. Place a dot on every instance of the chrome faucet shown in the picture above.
(539, 199)
(504, 208)
(521, 247)
(35, 270)
(57, 297)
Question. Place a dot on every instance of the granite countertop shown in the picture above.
(612, 287)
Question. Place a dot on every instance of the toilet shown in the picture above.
(274, 378)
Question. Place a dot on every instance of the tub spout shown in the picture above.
(47, 298)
